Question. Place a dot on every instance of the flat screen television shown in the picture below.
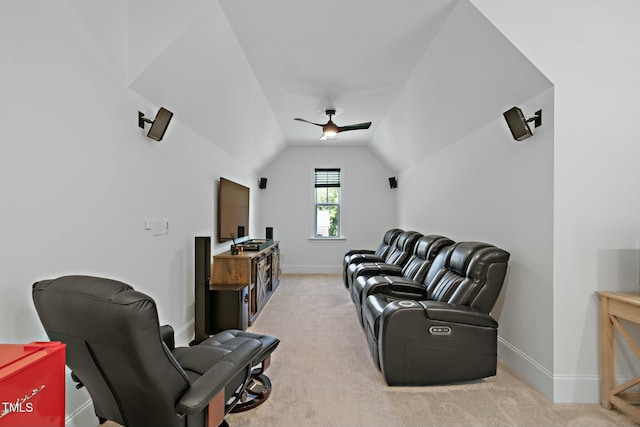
(233, 211)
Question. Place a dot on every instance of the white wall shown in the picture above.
(471, 181)
(203, 74)
(589, 50)
(493, 189)
(78, 178)
(368, 208)
(469, 75)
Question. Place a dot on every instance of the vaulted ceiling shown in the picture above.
(351, 55)
(239, 72)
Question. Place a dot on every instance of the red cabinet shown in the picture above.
(32, 390)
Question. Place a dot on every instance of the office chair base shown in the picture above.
(255, 394)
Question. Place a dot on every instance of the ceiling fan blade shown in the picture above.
(307, 121)
(354, 127)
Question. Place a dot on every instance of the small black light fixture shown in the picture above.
(158, 125)
(262, 183)
(519, 125)
(393, 182)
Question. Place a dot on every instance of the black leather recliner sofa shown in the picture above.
(130, 366)
(439, 331)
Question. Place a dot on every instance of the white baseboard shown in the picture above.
(532, 372)
(557, 388)
(311, 269)
(82, 417)
(185, 334)
(577, 389)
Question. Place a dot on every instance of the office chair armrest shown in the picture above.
(216, 378)
(166, 333)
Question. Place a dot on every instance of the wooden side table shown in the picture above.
(613, 307)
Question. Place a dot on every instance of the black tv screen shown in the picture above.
(517, 124)
(233, 211)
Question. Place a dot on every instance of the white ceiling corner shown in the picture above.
(153, 26)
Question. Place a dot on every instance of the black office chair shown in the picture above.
(128, 363)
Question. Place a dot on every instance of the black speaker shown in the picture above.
(268, 233)
(393, 182)
(202, 293)
(263, 183)
(240, 231)
(519, 125)
(159, 125)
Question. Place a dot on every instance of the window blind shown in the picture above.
(327, 178)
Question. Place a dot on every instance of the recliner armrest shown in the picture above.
(167, 335)
(377, 269)
(360, 258)
(359, 251)
(394, 286)
(216, 378)
(430, 342)
(446, 312)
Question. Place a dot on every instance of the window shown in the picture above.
(327, 203)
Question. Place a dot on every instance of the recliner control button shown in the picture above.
(440, 330)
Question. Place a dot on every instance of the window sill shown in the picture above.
(327, 239)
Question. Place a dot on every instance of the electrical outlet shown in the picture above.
(157, 226)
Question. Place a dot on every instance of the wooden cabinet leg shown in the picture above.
(215, 410)
(606, 353)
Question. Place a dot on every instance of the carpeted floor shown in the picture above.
(323, 376)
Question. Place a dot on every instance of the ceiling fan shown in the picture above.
(330, 129)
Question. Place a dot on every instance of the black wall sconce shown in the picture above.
(158, 125)
(393, 182)
(519, 125)
(262, 183)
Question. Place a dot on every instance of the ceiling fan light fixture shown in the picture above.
(330, 129)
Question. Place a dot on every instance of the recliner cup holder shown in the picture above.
(408, 303)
